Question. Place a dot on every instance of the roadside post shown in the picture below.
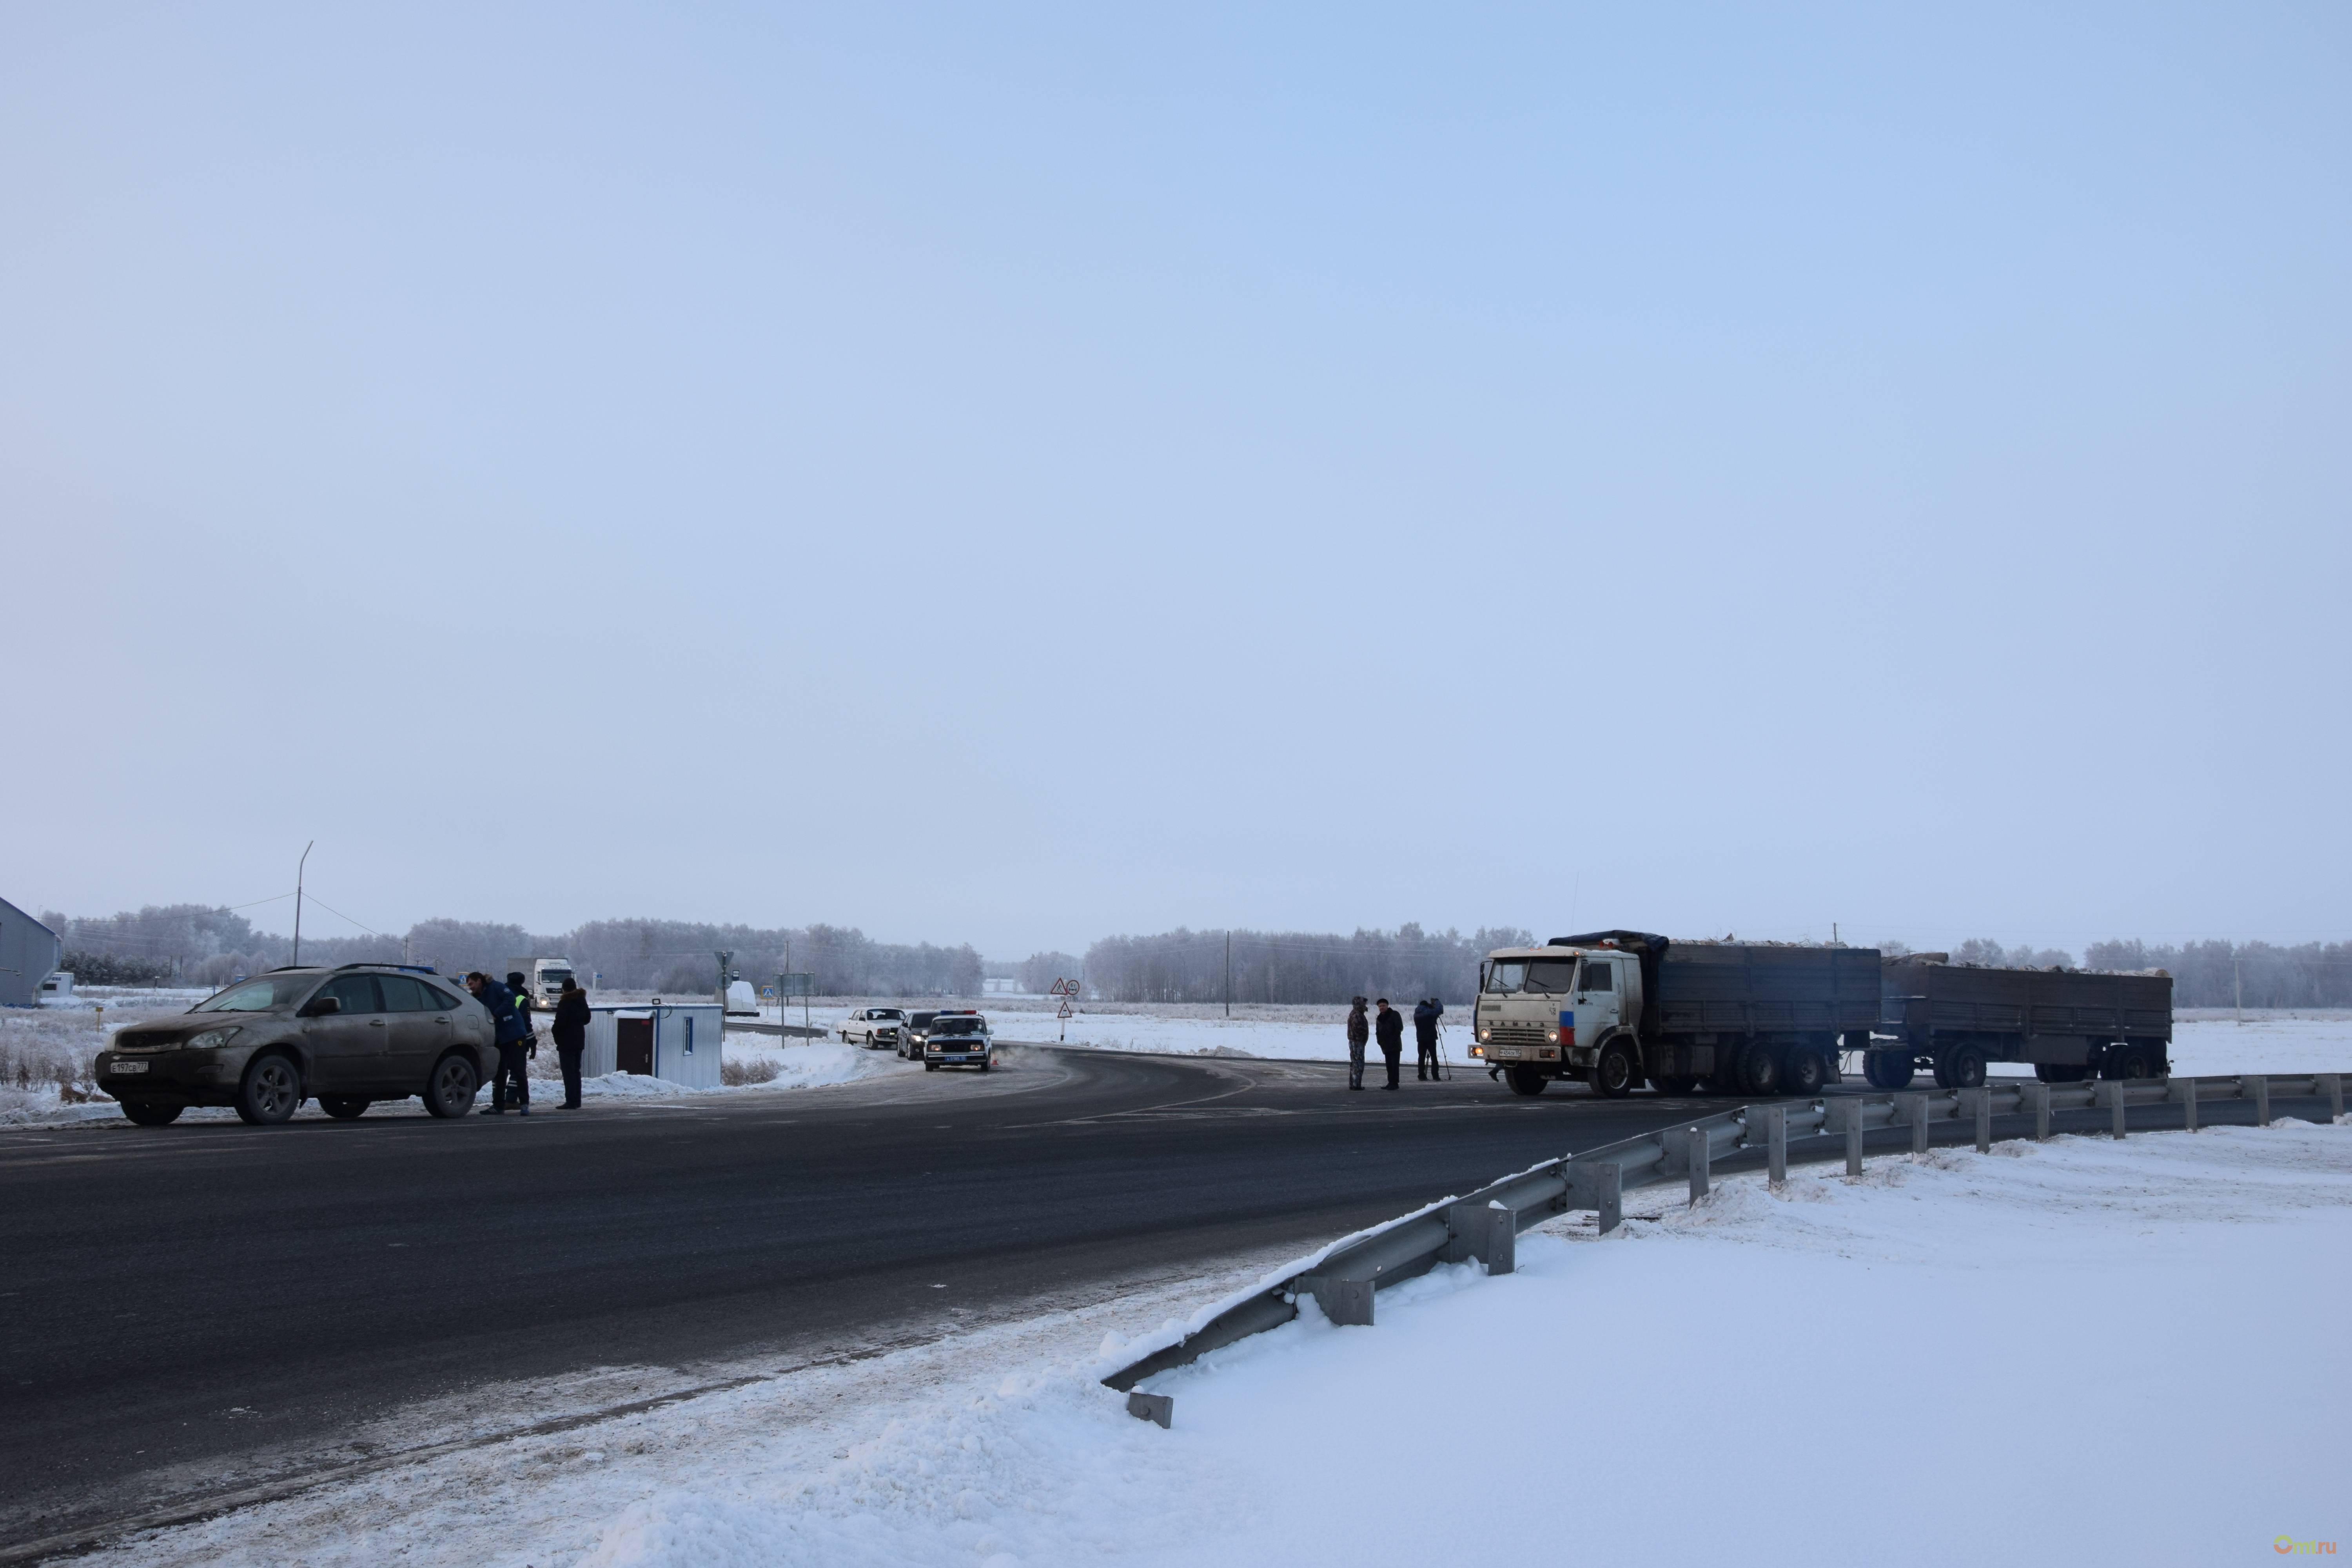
(789, 986)
(1064, 989)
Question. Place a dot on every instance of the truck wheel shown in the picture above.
(151, 1112)
(1613, 1073)
(1759, 1071)
(1806, 1073)
(1888, 1070)
(2131, 1062)
(1965, 1068)
(1526, 1081)
(1673, 1084)
(450, 1090)
(271, 1091)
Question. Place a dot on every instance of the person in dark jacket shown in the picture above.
(1360, 1032)
(571, 1038)
(1389, 1029)
(1425, 1034)
(513, 1029)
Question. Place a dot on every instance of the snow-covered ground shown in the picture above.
(2056, 1351)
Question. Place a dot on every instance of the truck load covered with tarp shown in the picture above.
(1952, 1019)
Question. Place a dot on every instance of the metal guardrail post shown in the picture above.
(1917, 1116)
(1600, 1186)
(1984, 1121)
(1853, 1139)
(1776, 1144)
(1155, 1408)
(2262, 1098)
(1487, 1231)
(1695, 1140)
(2334, 1085)
(2041, 1096)
(1348, 1302)
(2115, 1099)
(2187, 1088)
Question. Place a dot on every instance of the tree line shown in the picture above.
(194, 944)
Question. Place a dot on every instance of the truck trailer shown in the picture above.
(1617, 1007)
(1953, 1018)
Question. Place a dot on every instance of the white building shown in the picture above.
(28, 951)
(680, 1042)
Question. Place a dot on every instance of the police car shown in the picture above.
(958, 1039)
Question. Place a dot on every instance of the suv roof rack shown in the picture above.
(387, 963)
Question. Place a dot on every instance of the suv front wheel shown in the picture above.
(272, 1090)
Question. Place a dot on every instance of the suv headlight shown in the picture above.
(210, 1040)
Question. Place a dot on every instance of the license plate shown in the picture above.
(1503, 1053)
(123, 1066)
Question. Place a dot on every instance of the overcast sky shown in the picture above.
(1013, 473)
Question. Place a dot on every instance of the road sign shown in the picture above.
(795, 986)
(1064, 988)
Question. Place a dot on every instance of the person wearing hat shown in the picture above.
(1360, 1032)
(513, 1028)
(1390, 1029)
(1425, 1034)
(571, 1037)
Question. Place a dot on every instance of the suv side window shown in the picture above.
(402, 994)
(435, 999)
(355, 992)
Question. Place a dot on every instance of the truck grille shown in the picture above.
(1517, 1034)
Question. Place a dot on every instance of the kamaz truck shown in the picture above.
(1953, 1018)
(1615, 1008)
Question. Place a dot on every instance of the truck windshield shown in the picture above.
(1552, 976)
(554, 976)
(1506, 975)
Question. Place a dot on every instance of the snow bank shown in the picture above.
(1965, 1359)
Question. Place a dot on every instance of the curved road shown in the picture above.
(204, 1306)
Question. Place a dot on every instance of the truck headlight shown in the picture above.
(1484, 1035)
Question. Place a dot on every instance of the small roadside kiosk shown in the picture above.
(679, 1042)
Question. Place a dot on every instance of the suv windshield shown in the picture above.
(1506, 975)
(258, 995)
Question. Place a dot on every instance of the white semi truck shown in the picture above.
(542, 977)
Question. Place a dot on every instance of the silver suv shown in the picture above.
(347, 1037)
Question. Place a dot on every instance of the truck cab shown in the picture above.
(1545, 1013)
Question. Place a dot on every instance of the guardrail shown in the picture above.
(1486, 1224)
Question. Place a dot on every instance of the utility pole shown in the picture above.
(299, 865)
(1229, 972)
(2237, 987)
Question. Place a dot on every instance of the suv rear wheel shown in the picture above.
(450, 1090)
(270, 1091)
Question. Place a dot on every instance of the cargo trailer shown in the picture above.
(1952, 1019)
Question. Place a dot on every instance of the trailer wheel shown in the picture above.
(1612, 1074)
(1806, 1073)
(1526, 1081)
(2130, 1062)
(1964, 1067)
(1888, 1070)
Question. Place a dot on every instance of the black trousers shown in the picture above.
(569, 1057)
(1427, 1065)
(1395, 1054)
(510, 1065)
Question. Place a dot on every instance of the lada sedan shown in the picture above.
(346, 1036)
(958, 1039)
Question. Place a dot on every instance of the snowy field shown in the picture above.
(2078, 1350)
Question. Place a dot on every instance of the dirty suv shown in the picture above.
(346, 1037)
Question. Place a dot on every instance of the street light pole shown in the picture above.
(299, 865)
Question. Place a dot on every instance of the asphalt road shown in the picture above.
(204, 1306)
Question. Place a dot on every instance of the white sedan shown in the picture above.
(873, 1027)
